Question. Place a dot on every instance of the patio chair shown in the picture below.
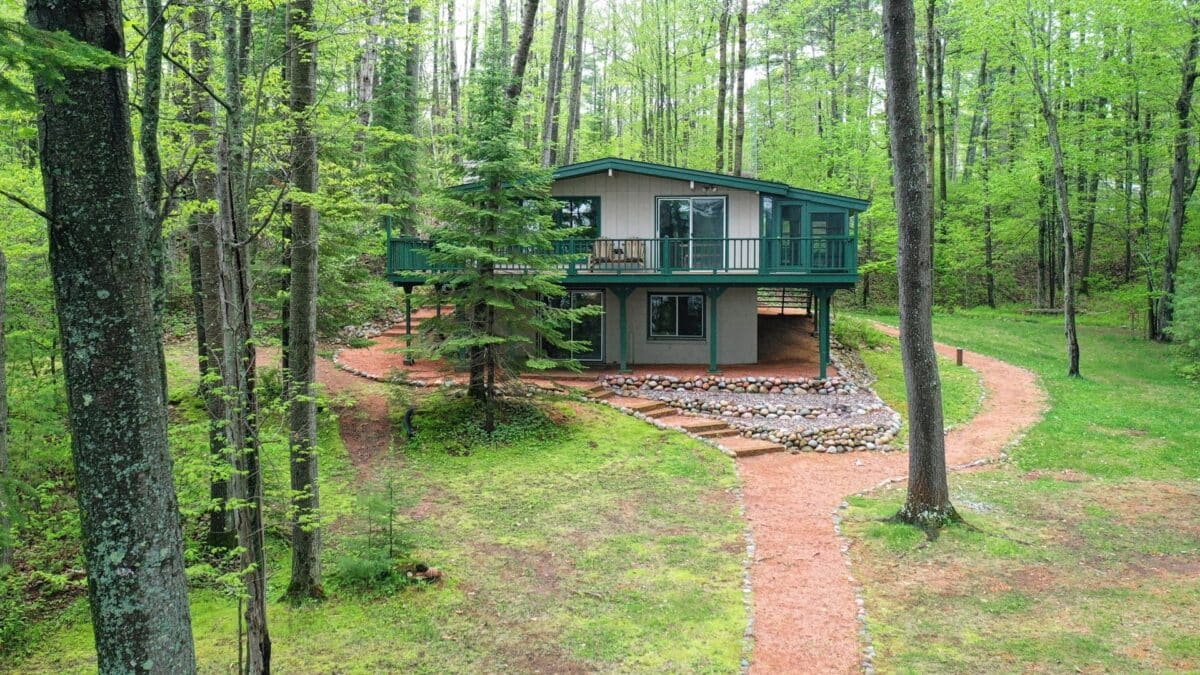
(602, 252)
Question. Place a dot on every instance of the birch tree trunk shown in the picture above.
(104, 287)
(928, 501)
(302, 356)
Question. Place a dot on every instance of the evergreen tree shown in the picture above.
(498, 222)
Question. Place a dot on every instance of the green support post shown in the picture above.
(711, 293)
(823, 330)
(622, 294)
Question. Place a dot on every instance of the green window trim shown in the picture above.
(700, 334)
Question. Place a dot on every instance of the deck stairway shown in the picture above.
(781, 300)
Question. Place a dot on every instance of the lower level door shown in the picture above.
(589, 328)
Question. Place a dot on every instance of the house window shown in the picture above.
(677, 315)
(579, 212)
(696, 226)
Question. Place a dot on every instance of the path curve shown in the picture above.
(805, 613)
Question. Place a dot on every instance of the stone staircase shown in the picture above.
(725, 436)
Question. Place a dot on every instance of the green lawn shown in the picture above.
(607, 545)
(1083, 553)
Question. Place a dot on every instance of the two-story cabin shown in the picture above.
(676, 257)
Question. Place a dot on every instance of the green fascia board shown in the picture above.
(677, 173)
(815, 281)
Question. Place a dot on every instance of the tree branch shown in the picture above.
(21, 201)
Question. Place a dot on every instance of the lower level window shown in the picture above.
(676, 315)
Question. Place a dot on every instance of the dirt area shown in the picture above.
(805, 614)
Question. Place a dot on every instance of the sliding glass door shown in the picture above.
(696, 227)
(589, 328)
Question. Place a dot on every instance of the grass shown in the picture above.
(601, 543)
(961, 389)
(1083, 552)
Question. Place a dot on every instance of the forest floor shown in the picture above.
(1082, 552)
(593, 542)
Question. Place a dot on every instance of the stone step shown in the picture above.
(599, 393)
(694, 424)
(659, 413)
(718, 433)
(741, 446)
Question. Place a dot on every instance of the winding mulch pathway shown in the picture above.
(805, 612)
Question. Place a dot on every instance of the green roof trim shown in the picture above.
(712, 178)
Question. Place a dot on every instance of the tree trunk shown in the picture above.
(928, 501)
(1064, 212)
(722, 79)
(576, 86)
(940, 93)
(985, 172)
(104, 287)
(6, 505)
(930, 110)
(1183, 184)
(739, 131)
(302, 314)
(452, 67)
(558, 44)
(1091, 194)
(237, 359)
(221, 534)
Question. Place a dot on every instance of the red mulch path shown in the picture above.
(805, 616)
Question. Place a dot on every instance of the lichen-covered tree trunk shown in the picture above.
(554, 77)
(104, 286)
(302, 314)
(722, 79)
(928, 500)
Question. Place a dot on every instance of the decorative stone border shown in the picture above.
(848, 438)
(738, 385)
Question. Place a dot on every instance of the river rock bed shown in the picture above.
(831, 416)
(736, 385)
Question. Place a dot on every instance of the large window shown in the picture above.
(677, 315)
(589, 329)
(697, 226)
(579, 212)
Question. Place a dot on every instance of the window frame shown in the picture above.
(599, 216)
(676, 295)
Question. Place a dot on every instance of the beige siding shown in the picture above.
(737, 315)
(627, 202)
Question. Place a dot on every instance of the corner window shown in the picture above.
(579, 212)
(676, 315)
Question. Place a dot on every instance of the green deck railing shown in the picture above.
(409, 256)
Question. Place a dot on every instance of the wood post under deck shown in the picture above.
(712, 293)
(623, 293)
(822, 320)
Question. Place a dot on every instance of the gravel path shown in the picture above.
(805, 609)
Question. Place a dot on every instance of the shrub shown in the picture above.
(857, 334)
(455, 422)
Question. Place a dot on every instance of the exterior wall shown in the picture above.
(737, 330)
(627, 202)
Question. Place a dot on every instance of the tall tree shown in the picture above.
(205, 283)
(739, 132)
(1183, 177)
(569, 149)
(105, 294)
(554, 77)
(302, 301)
(722, 81)
(928, 501)
(1049, 111)
(5, 479)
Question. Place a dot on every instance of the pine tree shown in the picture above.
(499, 222)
